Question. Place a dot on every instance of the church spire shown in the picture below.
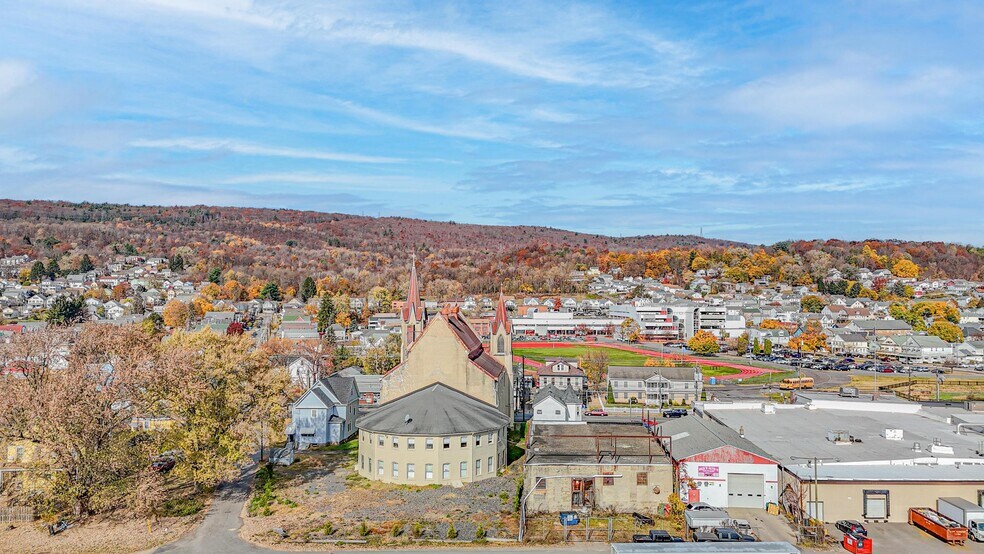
(501, 318)
(413, 310)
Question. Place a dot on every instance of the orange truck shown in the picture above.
(938, 525)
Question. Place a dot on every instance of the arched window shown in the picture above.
(500, 346)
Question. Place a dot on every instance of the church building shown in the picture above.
(445, 409)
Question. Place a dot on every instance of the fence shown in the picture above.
(16, 514)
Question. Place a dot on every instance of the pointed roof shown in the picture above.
(501, 318)
(413, 310)
(434, 410)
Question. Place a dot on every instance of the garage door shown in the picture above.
(746, 490)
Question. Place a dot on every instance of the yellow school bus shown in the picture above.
(796, 383)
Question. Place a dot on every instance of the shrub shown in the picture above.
(397, 529)
(182, 507)
(519, 494)
(328, 528)
(452, 532)
(417, 530)
(363, 529)
(480, 533)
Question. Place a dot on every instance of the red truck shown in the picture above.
(938, 525)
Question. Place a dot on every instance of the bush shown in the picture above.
(182, 507)
(417, 530)
(397, 529)
(328, 528)
(480, 533)
(364, 529)
(519, 494)
(452, 532)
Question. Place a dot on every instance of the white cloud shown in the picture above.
(14, 74)
(227, 145)
(18, 160)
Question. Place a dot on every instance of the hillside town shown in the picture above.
(638, 402)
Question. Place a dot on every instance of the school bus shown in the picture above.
(796, 383)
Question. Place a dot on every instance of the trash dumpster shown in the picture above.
(569, 518)
(857, 544)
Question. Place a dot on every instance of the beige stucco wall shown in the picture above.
(420, 456)
(438, 357)
(846, 501)
(623, 495)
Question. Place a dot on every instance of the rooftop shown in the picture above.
(594, 443)
(436, 410)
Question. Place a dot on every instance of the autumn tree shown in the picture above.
(767, 347)
(630, 330)
(770, 324)
(946, 331)
(232, 392)
(905, 269)
(594, 364)
(176, 314)
(756, 347)
(812, 304)
(76, 409)
(703, 342)
(741, 343)
(812, 338)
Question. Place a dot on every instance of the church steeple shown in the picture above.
(414, 316)
(500, 343)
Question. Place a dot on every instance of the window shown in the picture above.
(478, 440)
(429, 443)
(396, 442)
(379, 467)
(642, 479)
(396, 469)
(539, 412)
(411, 473)
(556, 412)
(491, 465)
(541, 484)
(446, 471)
(314, 413)
(491, 438)
(411, 443)
(428, 471)
(370, 465)
(381, 439)
(447, 442)
(463, 470)
(362, 461)
(478, 467)
(464, 442)
(607, 480)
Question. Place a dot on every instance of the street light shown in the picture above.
(522, 504)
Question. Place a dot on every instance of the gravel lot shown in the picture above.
(326, 488)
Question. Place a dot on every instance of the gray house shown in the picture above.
(326, 413)
(655, 385)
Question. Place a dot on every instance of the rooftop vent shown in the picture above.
(939, 448)
(916, 447)
(768, 408)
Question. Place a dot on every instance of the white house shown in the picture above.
(562, 374)
(926, 349)
(553, 405)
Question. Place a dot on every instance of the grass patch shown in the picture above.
(715, 371)
(767, 378)
(615, 356)
(516, 443)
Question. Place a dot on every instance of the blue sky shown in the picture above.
(755, 121)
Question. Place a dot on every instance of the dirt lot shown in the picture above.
(321, 497)
(546, 529)
(99, 535)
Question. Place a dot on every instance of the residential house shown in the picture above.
(655, 385)
(880, 327)
(848, 343)
(326, 413)
(562, 374)
(555, 405)
(926, 349)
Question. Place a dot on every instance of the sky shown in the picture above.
(750, 121)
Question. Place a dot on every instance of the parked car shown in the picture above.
(674, 413)
(699, 506)
(885, 370)
(596, 413)
(162, 465)
(851, 526)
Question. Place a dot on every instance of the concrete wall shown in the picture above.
(420, 456)
(714, 489)
(623, 495)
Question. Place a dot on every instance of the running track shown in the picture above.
(745, 371)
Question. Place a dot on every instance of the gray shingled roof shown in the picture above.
(436, 410)
(341, 386)
(564, 396)
(692, 435)
(642, 372)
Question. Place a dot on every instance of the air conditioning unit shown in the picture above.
(768, 408)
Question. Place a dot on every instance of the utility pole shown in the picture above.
(813, 488)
